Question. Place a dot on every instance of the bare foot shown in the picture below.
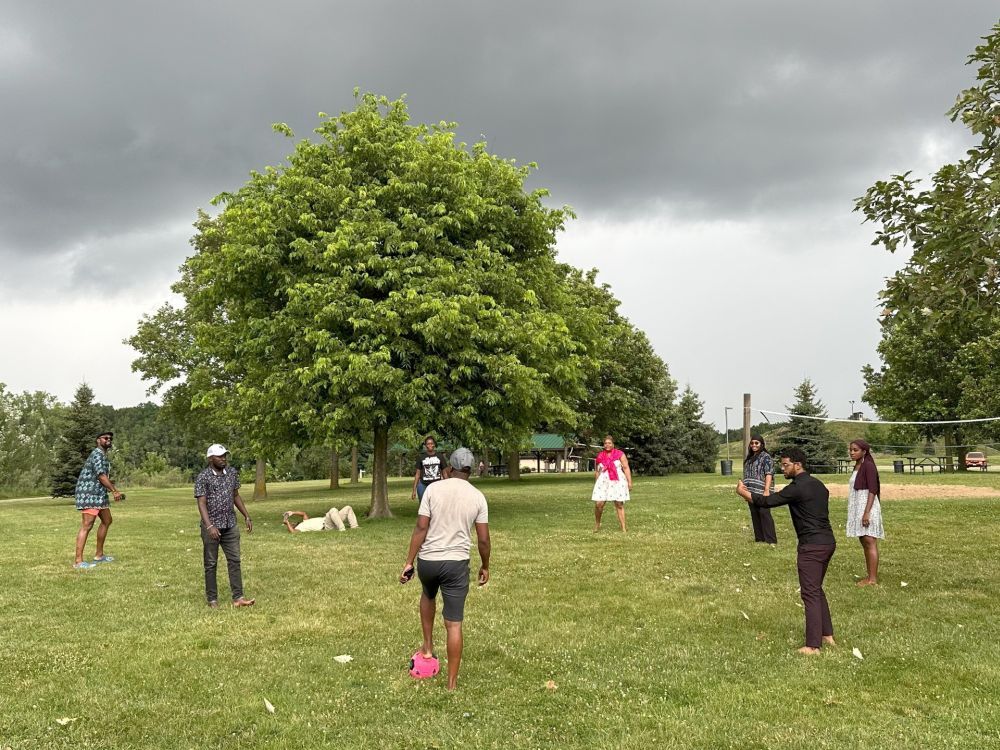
(808, 651)
(828, 640)
(866, 582)
(597, 527)
(624, 529)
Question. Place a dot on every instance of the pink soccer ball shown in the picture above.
(422, 667)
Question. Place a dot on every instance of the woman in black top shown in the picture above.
(758, 476)
(430, 468)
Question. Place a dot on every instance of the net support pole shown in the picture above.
(746, 423)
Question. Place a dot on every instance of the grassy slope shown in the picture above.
(643, 634)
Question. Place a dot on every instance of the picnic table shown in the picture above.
(913, 463)
(845, 465)
(932, 463)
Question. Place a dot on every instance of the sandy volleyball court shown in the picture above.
(922, 491)
(913, 491)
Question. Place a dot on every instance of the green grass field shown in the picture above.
(680, 634)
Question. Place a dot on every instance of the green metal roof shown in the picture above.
(544, 441)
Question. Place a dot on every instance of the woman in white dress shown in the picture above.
(864, 511)
(613, 481)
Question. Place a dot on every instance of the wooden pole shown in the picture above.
(746, 423)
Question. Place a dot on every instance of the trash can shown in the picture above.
(897, 467)
(727, 468)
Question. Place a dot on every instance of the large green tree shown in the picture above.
(81, 425)
(210, 372)
(807, 430)
(698, 443)
(940, 349)
(386, 275)
(629, 392)
(29, 429)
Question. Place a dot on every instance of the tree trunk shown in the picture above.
(354, 464)
(960, 448)
(380, 469)
(260, 481)
(514, 465)
(949, 447)
(334, 469)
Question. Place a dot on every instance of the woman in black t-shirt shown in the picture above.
(431, 467)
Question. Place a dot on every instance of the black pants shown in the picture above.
(229, 540)
(813, 560)
(763, 525)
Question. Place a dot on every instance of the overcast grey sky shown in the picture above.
(711, 150)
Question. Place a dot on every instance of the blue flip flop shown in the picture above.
(84, 565)
(105, 558)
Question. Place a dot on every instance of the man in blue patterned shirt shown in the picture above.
(92, 500)
(217, 490)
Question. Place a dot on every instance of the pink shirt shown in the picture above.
(607, 460)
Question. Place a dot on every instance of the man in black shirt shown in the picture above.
(431, 468)
(807, 499)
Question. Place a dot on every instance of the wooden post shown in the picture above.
(746, 423)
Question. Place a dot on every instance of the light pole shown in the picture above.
(852, 409)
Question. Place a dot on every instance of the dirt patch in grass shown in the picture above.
(922, 491)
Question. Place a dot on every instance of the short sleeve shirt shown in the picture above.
(431, 468)
(453, 507)
(218, 489)
(311, 524)
(90, 493)
(755, 470)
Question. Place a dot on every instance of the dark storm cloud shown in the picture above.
(121, 118)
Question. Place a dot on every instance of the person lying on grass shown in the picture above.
(340, 520)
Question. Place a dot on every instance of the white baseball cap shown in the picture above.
(216, 450)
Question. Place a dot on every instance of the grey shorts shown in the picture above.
(452, 578)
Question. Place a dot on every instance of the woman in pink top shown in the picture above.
(613, 482)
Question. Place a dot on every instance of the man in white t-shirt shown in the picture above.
(440, 544)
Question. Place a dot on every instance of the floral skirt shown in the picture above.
(856, 503)
(608, 491)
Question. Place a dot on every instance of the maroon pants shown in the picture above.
(813, 560)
